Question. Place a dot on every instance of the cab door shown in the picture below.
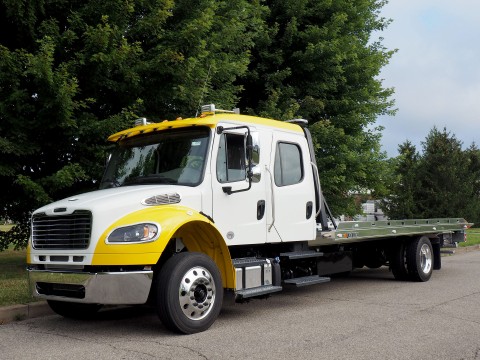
(239, 211)
(293, 192)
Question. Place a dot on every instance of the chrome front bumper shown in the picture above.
(113, 288)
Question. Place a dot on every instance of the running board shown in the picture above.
(306, 280)
(258, 291)
(301, 254)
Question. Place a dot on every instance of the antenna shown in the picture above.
(203, 90)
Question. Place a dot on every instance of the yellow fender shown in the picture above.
(196, 231)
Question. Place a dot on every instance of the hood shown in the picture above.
(109, 205)
(123, 200)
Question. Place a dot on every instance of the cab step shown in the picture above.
(447, 252)
(293, 255)
(256, 277)
(306, 280)
(258, 291)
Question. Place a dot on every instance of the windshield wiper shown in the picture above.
(150, 179)
(109, 183)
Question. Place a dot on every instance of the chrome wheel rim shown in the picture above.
(197, 293)
(425, 258)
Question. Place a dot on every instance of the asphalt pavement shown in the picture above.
(365, 316)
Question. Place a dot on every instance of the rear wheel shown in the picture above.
(74, 310)
(420, 259)
(190, 293)
(398, 263)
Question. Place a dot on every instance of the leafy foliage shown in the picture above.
(318, 60)
(444, 181)
(404, 185)
(73, 72)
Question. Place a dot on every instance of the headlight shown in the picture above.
(144, 232)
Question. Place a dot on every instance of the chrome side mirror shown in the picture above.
(256, 173)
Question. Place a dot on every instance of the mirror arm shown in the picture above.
(228, 189)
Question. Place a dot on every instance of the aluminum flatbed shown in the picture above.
(360, 231)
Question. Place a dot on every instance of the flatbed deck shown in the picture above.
(356, 231)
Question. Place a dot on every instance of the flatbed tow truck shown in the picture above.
(190, 208)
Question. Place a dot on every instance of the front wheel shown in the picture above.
(190, 293)
(420, 259)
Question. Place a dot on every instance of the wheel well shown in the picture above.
(406, 240)
(200, 236)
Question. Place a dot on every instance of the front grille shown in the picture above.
(62, 232)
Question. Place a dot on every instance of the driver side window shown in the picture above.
(231, 158)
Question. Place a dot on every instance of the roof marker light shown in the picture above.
(211, 110)
(141, 121)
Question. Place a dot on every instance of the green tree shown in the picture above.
(317, 60)
(404, 186)
(445, 175)
(472, 203)
(444, 181)
(71, 73)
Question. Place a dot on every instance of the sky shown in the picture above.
(435, 73)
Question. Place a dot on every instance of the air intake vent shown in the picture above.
(62, 232)
(164, 199)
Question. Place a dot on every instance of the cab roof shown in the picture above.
(210, 121)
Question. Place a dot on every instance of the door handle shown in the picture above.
(309, 209)
(260, 209)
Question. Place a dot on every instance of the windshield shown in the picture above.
(167, 157)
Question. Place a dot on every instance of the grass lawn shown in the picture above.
(13, 278)
(473, 238)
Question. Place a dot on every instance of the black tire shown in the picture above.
(398, 263)
(190, 293)
(74, 310)
(420, 259)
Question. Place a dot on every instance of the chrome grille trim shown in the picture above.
(62, 232)
(164, 199)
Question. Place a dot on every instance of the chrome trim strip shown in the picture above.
(163, 199)
(272, 189)
(113, 288)
(317, 183)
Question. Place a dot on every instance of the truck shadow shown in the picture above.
(144, 320)
(379, 274)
